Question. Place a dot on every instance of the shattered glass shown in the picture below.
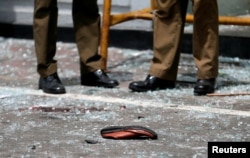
(34, 124)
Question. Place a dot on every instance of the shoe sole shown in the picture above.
(128, 132)
(200, 93)
(135, 89)
(52, 92)
(99, 85)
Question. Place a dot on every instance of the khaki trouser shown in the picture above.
(87, 33)
(168, 30)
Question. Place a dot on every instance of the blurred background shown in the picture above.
(16, 21)
(20, 12)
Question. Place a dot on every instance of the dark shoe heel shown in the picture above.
(98, 78)
(51, 84)
(151, 83)
(204, 86)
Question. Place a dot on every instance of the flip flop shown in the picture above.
(128, 132)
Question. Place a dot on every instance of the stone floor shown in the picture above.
(71, 127)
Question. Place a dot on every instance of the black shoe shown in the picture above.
(51, 84)
(204, 86)
(98, 78)
(151, 83)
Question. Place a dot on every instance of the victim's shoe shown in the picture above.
(51, 84)
(151, 83)
(98, 78)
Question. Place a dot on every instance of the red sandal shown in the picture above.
(128, 132)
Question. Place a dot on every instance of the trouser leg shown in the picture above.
(168, 29)
(205, 38)
(45, 32)
(87, 32)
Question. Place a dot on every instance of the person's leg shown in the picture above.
(168, 29)
(205, 44)
(205, 38)
(86, 20)
(45, 32)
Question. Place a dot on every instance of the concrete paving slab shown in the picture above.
(71, 127)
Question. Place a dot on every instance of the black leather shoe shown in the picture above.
(51, 84)
(204, 86)
(98, 78)
(151, 83)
